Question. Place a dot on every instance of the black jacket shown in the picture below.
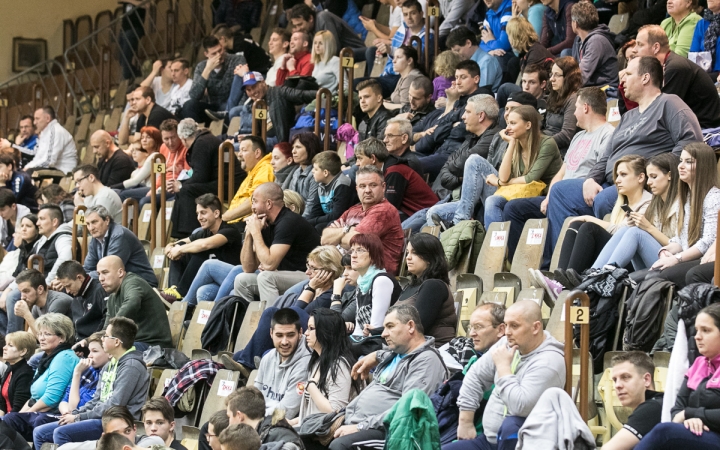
(19, 391)
(216, 334)
(281, 431)
(452, 172)
(694, 86)
(202, 158)
(701, 403)
(116, 169)
(88, 308)
(281, 102)
(375, 126)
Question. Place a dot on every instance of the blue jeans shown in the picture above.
(474, 189)
(507, 437)
(86, 430)
(416, 221)
(629, 244)
(14, 322)
(672, 436)
(236, 92)
(25, 423)
(214, 280)
(138, 193)
(517, 212)
(494, 206)
(566, 200)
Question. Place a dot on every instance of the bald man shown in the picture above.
(115, 165)
(132, 297)
(522, 365)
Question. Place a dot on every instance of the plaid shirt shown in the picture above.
(188, 375)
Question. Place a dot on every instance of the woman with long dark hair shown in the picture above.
(329, 387)
(560, 120)
(429, 289)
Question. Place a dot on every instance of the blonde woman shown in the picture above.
(327, 66)
(445, 64)
(294, 201)
(525, 43)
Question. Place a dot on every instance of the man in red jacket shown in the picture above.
(299, 61)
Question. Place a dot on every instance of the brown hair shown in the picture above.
(642, 362)
(528, 114)
(705, 179)
(572, 80)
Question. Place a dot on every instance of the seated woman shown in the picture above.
(530, 156)
(304, 148)
(526, 43)
(56, 335)
(680, 26)
(406, 64)
(329, 387)
(706, 39)
(697, 219)
(641, 241)
(560, 120)
(587, 236)
(15, 382)
(143, 153)
(327, 66)
(696, 414)
(429, 289)
(25, 238)
(282, 161)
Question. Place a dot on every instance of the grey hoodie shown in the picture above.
(422, 369)
(130, 383)
(598, 58)
(278, 381)
(537, 371)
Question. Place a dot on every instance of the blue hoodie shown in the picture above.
(496, 21)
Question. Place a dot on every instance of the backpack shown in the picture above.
(444, 401)
(645, 309)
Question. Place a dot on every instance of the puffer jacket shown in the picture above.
(411, 424)
(691, 299)
(452, 172)
(281, 102)
(456, 240)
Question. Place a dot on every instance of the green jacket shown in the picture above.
(456, 241)
(411, 424)
(136, 300)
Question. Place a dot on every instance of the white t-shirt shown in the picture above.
(179, 95)
(161, 98)
(396, 15)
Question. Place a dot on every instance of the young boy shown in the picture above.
(239, 437)
(217, 424)
(159, 419)
(335, 191)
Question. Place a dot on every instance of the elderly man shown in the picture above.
(398, 134)
(374, 214)
(410, 362)
(55, 147)
(132, 297)
(521, 365)
(114, 165)
(111, 238)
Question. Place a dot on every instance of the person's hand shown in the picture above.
(639, 220)
(290, 63)
(486, 35)
(665, 262)
(79, 345)
(366, 330)
(382, 49)
(430, 130)
(441, 103)
(505, 137)
(580, 219)
(492, 180)
(590, 190)
(157, 66)
(22, 309)
(709, 255)
(56, 285)
(452, 93)
(368, 23)
(362, 368)
(78, 199)
(466, 432)
(516, 9)
(497, 52)
(320, 278)
(340, 223)
(17, 239)
(696, 426)
(241, 70)
(176, 186)
(4, 143)
(544, 205)
(350, 327)
(339, 285)
(82, 365)
(67, 419)
(503, 355)
(212, 63)
(345, 430)
(679, 417)
(4, 177)
(255, 224)
(174, 253)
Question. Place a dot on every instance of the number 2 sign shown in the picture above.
(579, 314)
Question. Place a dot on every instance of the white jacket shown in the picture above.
(55, 149)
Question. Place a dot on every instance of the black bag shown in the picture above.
(644, 310)
(164, 357)
(304, 83)
(364, 345)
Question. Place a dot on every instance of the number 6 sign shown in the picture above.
(261, 114)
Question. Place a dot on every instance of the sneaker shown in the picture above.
(534, 280)
(552, 287)
(444, 225)
(171, 294)
(216, 115)
(231, 364)
(562, 279)
(575, 278)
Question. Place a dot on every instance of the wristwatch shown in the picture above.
(346, 229)
(309, 288)
(679, 257)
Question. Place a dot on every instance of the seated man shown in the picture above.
(585, 150)
(88, 305)
(175, 155)
(304, 18)
(397, 138)
(495, 40)
(55, 147)
(410, 362)
(25, 141)
(215, 240)
(11, 212)
(334, 194)
(247, 405)
(632, 374)
(117, 421)
(534, 81)
(522, 365)
(277, 241)
(486, 328)
(149, 114)
(182, 84)
(596, 53)
(18, 181)
(298, 62)
(132, 297)
(374, 116)
(282, 368)
(210, 432)
(159, 419)
(374, 215)
(114, 165)
(110, 238)
(662, 123)
(464, 43)
(255, 160)
(160, 80)
(404, 188)
(91, 192)
(240, 43)
(37, 300)
(420, 105)
(239, 437)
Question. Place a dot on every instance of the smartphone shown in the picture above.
(626, 208)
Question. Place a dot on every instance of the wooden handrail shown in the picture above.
(328, 103)
(260, 116)
(226, 147)
(347, 62)
(79, 221)
(158, 168)
(40, 263)
(582, 317)
(433, 10)
(126, 218)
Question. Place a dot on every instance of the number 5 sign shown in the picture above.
(158, 167)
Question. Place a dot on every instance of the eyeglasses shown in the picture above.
(105, 336)
(78, 181)
(476, 327)
(208, 435)
(556, 75)
(357, 251)
(311, 268)
(46, 334)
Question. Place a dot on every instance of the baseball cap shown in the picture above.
(251, 78)
(524, 98)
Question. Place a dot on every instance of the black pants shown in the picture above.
(688, 272)
(184, 218)
(195, 109)
(346, 442)
(183, 271)
(583, 243)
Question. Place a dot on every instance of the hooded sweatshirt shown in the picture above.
(422, 369)
(280, 382)
(123, 382)
(517, 394)
(598, 59)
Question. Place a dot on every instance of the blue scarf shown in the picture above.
(364, 282)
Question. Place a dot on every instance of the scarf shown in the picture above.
(712, 34)
(46, 359)
(703, 368)
(364, 282)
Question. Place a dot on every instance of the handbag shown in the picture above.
(513, 191)
(322, 426)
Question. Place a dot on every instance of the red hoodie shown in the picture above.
(303, 67)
